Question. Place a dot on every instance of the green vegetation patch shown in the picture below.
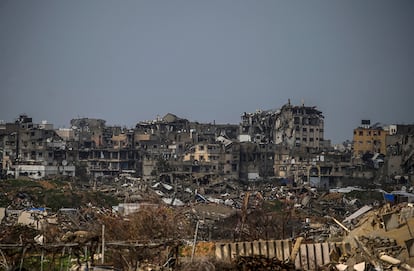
(19, 183)
(54, 194)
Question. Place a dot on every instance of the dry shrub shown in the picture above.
(157, 228)
(149, 223)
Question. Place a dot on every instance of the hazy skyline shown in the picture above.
(128, 61)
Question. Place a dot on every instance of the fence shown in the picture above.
(309, 257)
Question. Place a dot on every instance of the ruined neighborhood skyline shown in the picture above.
(348, 138)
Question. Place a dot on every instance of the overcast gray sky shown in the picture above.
(212, 60)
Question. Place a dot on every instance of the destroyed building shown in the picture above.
(105, 150)
(257, 126)
(256, 161)
(35, 150)
(293, 126)
(221, 158)
(299, 126)
(399, 162)
(274, 136)
(161, 139)
(317, 169)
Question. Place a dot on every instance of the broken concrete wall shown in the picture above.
(148, 165)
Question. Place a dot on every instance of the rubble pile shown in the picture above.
(157, 212)
(261, 263)
(379, 238)
(379, 245)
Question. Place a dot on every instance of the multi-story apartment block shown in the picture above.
(318, 169)
(90, 132)
(292, 126)
(369, 139)
(265, 133)
(203, 153)
(221, 158)
(35, 150)
(299, 126)
(106, 150)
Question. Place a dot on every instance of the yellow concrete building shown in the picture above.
(369, 139)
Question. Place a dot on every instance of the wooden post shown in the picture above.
(295, 249)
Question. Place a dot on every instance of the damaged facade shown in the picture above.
(400, 153)
(299, 126)
(291, 126)
(274, 138)
(318, 169)
(104, 150)
(35, 150)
